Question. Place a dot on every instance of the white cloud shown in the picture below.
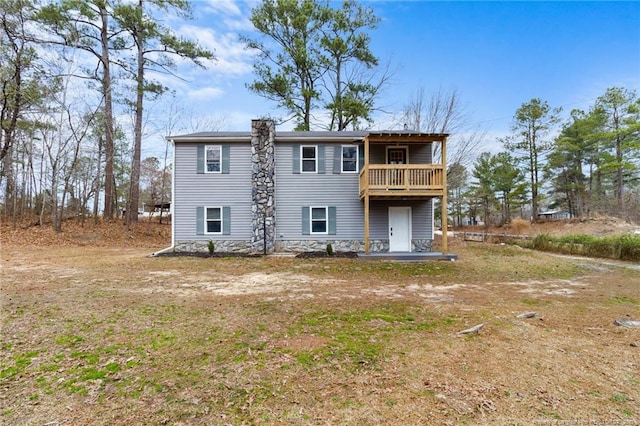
(234, 15)
(231, 55)
(225, 7)
(205, 93)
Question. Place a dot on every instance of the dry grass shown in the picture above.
(520, 226)
(105, 335)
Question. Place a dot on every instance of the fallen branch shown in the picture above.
(472, 330)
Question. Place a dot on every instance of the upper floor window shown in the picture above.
(349, 159)
(213, 158)
(309, 159)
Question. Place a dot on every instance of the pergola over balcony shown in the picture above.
(404, 181)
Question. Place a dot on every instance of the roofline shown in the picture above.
(348, 136)
(201, 138)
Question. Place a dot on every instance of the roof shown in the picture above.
(327, 136)
(553, 212)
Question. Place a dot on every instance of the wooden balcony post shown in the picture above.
(366, 224)
(366, 195)
(445, 213)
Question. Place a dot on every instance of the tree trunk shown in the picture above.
(109, 192)
(134, 189)
(96, 190)
(619, 177)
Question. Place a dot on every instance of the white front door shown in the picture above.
(400, 229)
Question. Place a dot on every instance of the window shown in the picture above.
(349, 159)
(213, 220)
(213, 159)
(309, 159)
(319, 220)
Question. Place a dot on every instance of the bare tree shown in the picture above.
(88, 26)
(444, 112)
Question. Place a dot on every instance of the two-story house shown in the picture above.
(264, 191)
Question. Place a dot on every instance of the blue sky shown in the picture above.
(497, 55)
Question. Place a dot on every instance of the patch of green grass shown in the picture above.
(72, 387)
(551, 414)
(160, 338)
(49, 367)
(618, 300)
(359, 338)
(20, 364)
(534, 302)
(358, 346)
(112, 367)
(69, 340)
(617, 397)
(306, 357)
(90, 358)
(92, 374)
(45, 385)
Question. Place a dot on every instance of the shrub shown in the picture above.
(623, 247)
(541, 242)
(329, 250)
(212, 247)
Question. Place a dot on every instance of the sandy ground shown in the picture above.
(100, 333)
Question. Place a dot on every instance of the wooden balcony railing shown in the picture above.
(390, 180)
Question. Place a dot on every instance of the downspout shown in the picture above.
(171, 248)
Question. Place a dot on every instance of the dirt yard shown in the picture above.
(96, 332)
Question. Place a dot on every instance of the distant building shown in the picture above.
(554, 215)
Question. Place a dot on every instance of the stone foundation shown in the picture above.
(298, 246)
(421, 246)
(375, 246)
(222, 246)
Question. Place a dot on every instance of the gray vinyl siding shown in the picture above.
(377, 154)
(193, 190)
(293, 191)
(421, 214)
(418, 154)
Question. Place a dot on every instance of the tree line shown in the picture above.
(585, 166)
(77, 78)
(72, 72)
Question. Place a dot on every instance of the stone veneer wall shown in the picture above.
(300, 246)
(221, 246)
(263, 170)
(375, 246)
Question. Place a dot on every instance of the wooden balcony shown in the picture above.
(387, 181)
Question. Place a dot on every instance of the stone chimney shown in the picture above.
(263, 173)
